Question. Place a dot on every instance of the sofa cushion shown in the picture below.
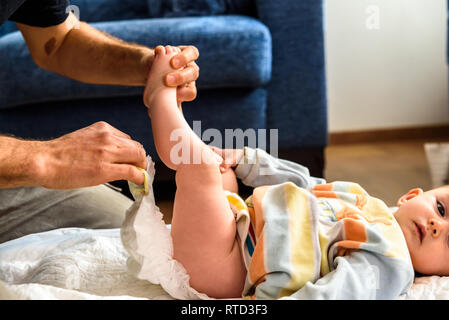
(235, 51)
(7, 27)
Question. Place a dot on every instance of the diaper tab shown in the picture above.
(137, 190)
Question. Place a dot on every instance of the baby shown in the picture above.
(296, 236)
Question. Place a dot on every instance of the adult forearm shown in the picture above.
(87, 157)
(18, 163)
(91, 56)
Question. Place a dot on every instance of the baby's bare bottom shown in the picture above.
(204, 231)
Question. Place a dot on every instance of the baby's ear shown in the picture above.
(409, 195)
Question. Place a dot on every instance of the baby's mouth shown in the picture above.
(420, 232)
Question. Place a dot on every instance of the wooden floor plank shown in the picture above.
(385, 170)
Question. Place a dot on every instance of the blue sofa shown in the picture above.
(261, 66)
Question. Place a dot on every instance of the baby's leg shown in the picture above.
(203, 225)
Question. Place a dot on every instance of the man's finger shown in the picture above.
(187, 55)
(130, 152)
(181, 77)
(124, 172)
(187, 92)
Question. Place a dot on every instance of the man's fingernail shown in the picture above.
(176, 62)
(170, 79)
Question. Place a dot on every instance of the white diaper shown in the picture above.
(148, 240)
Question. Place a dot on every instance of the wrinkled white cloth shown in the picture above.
(428, 288)
(148, 240)
(72, 263)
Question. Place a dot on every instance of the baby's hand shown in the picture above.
(231, 157)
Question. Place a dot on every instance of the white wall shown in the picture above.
(386, 63)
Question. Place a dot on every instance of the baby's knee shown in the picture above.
(198, 175)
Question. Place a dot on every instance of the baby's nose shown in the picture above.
(435, 227)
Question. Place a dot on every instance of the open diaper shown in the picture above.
(147, 238)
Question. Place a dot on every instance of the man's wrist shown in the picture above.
(32, 163)
(39, 165)
(146, 63)
(21, 163)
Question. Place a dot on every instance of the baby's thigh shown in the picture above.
(204, 232)
(201, 206)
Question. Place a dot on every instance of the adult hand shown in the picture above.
(185, 76)
(90, 156)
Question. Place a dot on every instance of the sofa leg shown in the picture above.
(312, 158)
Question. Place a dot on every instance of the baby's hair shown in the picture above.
(441, 187)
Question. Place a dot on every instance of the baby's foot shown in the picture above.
(160, 67)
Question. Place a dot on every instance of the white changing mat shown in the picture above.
(72, 263)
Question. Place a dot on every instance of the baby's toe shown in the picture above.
(169, 49)
(159, 50)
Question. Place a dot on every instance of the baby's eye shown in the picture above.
(440, 208)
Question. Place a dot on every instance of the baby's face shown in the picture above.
(424, 220)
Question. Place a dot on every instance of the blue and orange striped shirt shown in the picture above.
(316, 240)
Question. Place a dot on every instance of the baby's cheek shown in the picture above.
(428, 259)
(418, 262)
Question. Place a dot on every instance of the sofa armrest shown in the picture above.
(296, 28)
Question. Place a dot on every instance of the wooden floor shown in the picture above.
(386, 170)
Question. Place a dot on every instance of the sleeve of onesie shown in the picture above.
(360, 275)
(258, 168)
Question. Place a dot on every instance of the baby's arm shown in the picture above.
(360, 276)
(255, 167)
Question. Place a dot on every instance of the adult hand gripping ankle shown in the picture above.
(184, 78)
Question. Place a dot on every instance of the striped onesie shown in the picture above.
(302, 238)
